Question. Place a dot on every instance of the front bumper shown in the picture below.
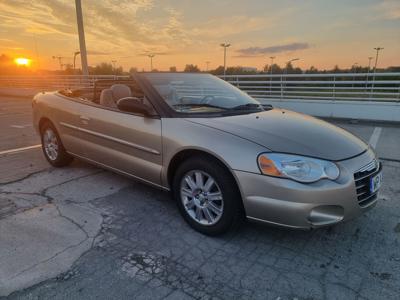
(292, 204)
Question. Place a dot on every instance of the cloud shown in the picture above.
(225, 27)
(113, 26)
(388, 10)
(95, 52)
(260, 51)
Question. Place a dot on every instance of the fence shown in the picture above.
(343, 86)
(53, 81)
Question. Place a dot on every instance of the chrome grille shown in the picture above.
(362, 180)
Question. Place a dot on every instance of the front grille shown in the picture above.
(362, 180)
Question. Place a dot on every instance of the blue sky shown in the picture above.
(321, 33)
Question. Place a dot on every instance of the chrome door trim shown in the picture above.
(107, 137)
(119, 171)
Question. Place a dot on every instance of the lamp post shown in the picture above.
(376, 64)
(354, 68)
(75, 54)
(289, 62)
(225, 45)
(151, 61)
(59, 58)
(81, 32)
(376, 57)
(272, 62)
(369, 69)
(369, 63)
(286, 71)
(270, 79)
(115, 70)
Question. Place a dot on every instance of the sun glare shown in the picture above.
(21, 61)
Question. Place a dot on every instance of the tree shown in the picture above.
(336, 69)
(172, 69)
(275, 69)
(218, 71)
(192, 69)
(291, 70)
(133, 70)
(312, 70)
(105, 69)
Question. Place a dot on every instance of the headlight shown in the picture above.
(299, 168)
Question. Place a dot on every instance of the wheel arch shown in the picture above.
(184, 154)
(43, 121)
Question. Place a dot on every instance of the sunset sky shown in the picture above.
(321, 33)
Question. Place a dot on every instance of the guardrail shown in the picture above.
(341, 86)
(53, 81)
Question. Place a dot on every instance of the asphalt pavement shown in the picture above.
(85, 233)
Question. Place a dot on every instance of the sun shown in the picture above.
(22, 61)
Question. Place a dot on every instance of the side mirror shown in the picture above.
(134, 105)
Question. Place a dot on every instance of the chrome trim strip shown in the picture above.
(107, 137)
(277, 224)
(119, 171)
(369, 167)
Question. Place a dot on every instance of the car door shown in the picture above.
(64, 113)
(123, 141)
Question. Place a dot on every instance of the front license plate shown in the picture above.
(375, 183)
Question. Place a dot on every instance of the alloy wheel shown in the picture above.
(201, 197)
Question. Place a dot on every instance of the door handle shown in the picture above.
(84, 119)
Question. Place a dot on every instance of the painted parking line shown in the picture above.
(21, 126)
(373, 140)
(11, 151)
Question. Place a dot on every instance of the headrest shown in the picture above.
(120, 91)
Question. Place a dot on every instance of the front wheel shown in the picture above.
(52, 146)
(207, 196)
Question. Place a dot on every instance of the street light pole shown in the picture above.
(207, 63)
(270, 79)
(82, 43)
(369, 69)
(376, 57)
(289, 62)
(75, 54)
(115, 70)
(354, 67)
(286, 71)
(151, 61)
(225, 45)
(369, 63)
(376, 64)
(272, 62)
(59, 58)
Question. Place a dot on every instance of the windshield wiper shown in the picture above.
(247, 106)
(180, 105)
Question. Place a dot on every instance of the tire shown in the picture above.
(52, 146)
(200, 206)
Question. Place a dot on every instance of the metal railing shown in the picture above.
(341, 86)
(54, 81)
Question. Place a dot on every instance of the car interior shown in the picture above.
(107, 93)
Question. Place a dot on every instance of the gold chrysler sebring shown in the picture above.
(222, 154)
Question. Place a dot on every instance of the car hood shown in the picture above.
(289, 132)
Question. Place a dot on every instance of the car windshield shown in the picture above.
(201, 93)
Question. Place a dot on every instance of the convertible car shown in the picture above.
(222, 154)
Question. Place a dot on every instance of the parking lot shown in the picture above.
(82, 232)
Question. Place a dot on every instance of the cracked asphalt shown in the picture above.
(108, 237)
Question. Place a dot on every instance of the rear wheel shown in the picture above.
(207, 196)
(52, 146)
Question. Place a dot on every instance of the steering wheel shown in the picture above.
(207, 99)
